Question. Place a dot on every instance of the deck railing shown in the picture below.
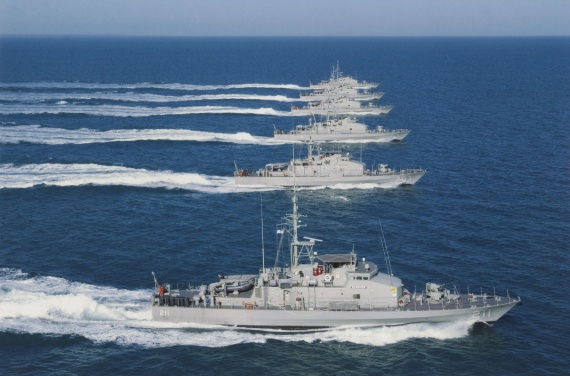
(465, 302)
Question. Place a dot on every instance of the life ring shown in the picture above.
(328, 277)
(401, 301)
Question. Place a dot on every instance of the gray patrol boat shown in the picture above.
(340, 129)
(341, 95)
(322, 168)
(338, 80)
(321, 291)
(343, 91)
(341, 105)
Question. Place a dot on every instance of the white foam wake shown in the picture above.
(68, 175)
(133, 111)
(10, 96)
(72, 175)
(361, 186)
(103, 314)
(37, 134)
(144, 85)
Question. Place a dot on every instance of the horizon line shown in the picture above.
(283, 36)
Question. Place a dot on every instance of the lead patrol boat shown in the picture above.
(320, 291)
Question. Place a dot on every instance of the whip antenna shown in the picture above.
(262, 241)
(385, 248)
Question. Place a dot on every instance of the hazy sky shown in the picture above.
(286, 18)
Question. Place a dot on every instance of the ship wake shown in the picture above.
(142, 86)
(64, 107)
(71, 175)
(37, 134)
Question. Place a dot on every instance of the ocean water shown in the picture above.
(116, 159)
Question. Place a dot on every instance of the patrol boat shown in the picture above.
(321, 291)
(341, 95)
(339, 106)
(338, 80)
(338, 129)
(322, 168)
(344, 91)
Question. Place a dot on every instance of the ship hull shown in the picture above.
(353, 97)
(391, 180)
(362, 111)
(257, 317)
(355, 85)
(368, 136)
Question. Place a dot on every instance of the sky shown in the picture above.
(286, 18)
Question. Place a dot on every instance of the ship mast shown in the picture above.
(306, 246)
(295, 241)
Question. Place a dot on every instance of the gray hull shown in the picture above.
(391, 180)
(360, 111)
(353, 95)
(304, 319)
(368, 136)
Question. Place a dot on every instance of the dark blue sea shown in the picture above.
(116, 159)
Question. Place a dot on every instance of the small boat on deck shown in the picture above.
(234, 284)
